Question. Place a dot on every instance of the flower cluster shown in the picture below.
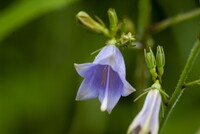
(105, 77)
(147, 121)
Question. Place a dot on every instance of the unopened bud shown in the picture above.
(113, 20)
(151, 63)
(85, 20)
(150, 59)
(160, 61)
(160, 57)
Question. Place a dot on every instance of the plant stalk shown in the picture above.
(174, 20)
(180, 88)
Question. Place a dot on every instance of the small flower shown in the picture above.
(147, 121)
(104, 78)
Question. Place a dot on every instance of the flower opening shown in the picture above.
(104, 78)
(147, 121)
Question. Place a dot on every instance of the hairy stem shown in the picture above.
(174, 20)
(180, 88)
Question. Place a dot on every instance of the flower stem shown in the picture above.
(192, 83)
(144, 7)
(180, 88)
(174, 20)
(144, 12)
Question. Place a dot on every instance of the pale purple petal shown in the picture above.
(110, 55)
(92, 83)
(86, 91)
(128, 89)
(143, 114)
(83, 68)
(149, 112)
(155, 115)
(112, 91)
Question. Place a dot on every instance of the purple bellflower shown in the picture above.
(147, 121)
(104, 78)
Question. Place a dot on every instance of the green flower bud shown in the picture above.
(85, 20)
(160, 62)
(160, 57)
(151, 63)
(113, 20)
(150, 59)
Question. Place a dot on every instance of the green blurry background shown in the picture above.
(40, 41)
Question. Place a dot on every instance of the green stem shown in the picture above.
(179, 88)
(192, 83)
(144, 7)
(174, 20)
(144, 10)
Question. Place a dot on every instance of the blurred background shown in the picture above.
(39, 43)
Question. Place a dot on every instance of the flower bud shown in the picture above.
(160, 61)
(160, 57)
(85, 20)
(150, 59)
(147, 120)
(151, 63)
(113, 20)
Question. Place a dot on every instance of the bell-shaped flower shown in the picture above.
(147, 121)
(104, 78)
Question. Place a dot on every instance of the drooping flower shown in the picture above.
(147, 121)
(104, 78)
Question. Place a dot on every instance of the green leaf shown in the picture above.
(22, 12)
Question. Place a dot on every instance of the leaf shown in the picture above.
(22, 12)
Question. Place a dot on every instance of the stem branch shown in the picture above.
(174, 20)
(192, 83)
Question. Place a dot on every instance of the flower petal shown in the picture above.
(128, 89)
(86, 92)
(110, 55)
(83, 68)
(154, 125)
(148, 115)
(92, 83)
(112, 92)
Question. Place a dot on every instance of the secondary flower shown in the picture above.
(147, 121)
(104, 78)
